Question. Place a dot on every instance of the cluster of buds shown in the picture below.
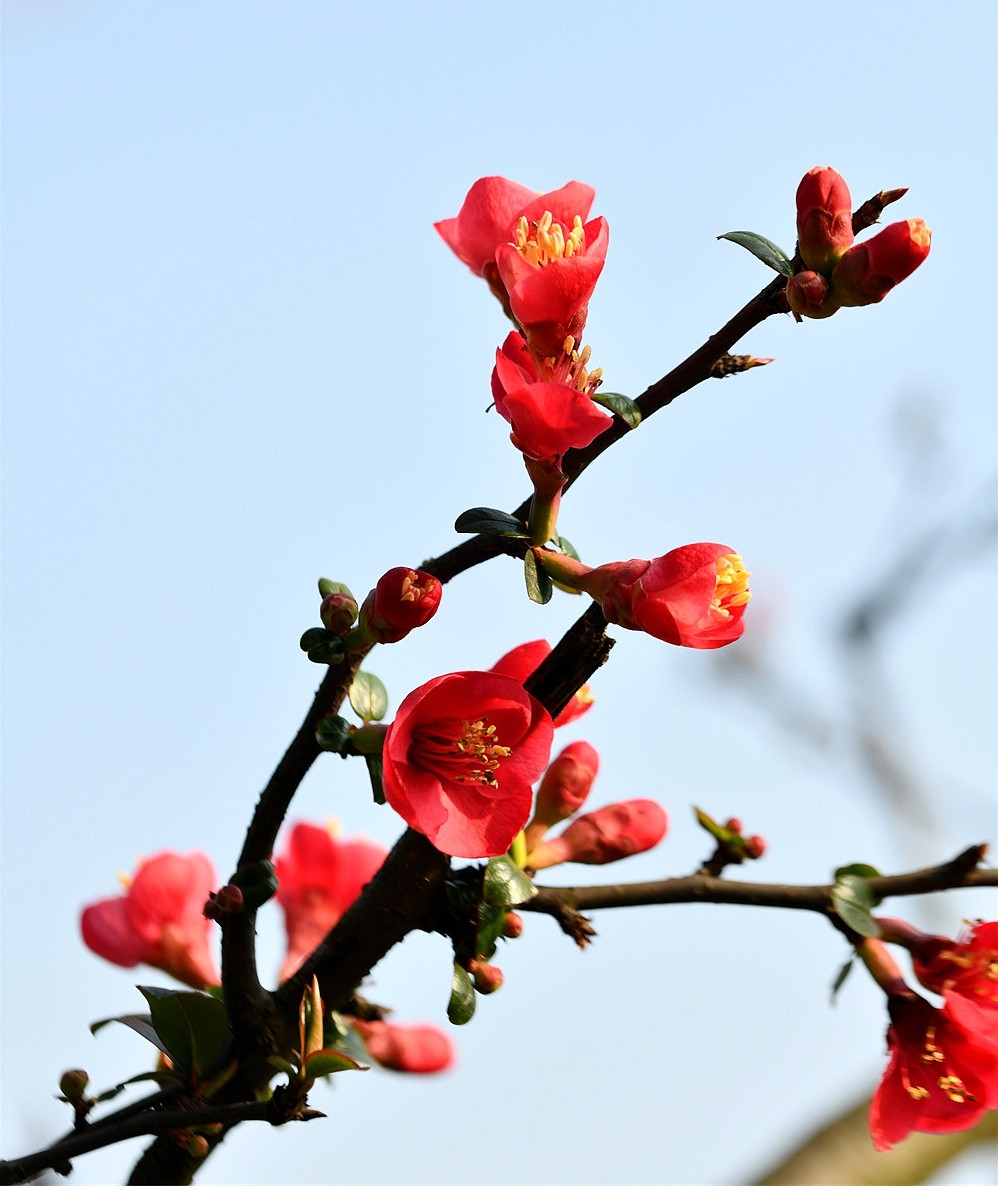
(608, 834)
(943, 1070)
(838, 272)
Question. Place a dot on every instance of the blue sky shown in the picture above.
(237, 357)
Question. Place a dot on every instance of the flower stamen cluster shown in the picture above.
(545, 240)
(471, 747)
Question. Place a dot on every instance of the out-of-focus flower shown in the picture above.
(521, 663)
(824, 219)
(460, 758)
(416, 1049)
(607, 834)
(319, 876)
(159, 920)
(403, 599)
(964, 972)
(868, 271)
(937, 1078)
(693, 596)
(564, 788)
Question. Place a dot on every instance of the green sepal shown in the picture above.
(506, 885)
(141, 1023)
(193, 1027)
(763, 249)
(461, 1006)
(853, 901)
(720, 833)
(258, 883)
(368, 697)
(489, 521)
(539, 587)
(326, 587)
(332, 733)
(376, 773)
(841, 978)
(328, 1062)
(621, 405)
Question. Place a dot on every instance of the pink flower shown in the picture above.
(417, 1049)
(319, 877)
(460, 758)
(965, 973)
(868, 271)
(937, 1078)
(403, 599)
(159, 919)
(521, 663)
(693, 596)
(824, 219)
(564, 788)
(608, 834)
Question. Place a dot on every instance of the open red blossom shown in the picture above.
(319, 876)
(824, 219)
(549, 271)
(158, 921)
(521, 663)
(937, 1078)
(965, 973)
(416, 1049)
(460, 758)
(548, 419)
(403, 599)
(868, 271)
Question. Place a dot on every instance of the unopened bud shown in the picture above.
(73, 1084)
(824, 219)
(403, 599)
(609, 834)
(487, 977)
(734, 824)
(512, 927)
(338, 611)
(755, 846)
(564, 789)
(868, 271)
(807, 295)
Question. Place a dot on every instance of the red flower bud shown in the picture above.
(824, 219)
(403, 599)
(868, 271)
(415, 1049)
(564, 788)
(755, 847)
(512, 927)
(73, 1084)
(807, 294)
(609, 834)
(488, 978)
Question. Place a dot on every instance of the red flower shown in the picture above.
(937, 1078)
(608, 834)
(521, 663)
(159, 919)
(693, 596)
(965, 973)
(460, 758)
(318, 878)
(548, 419)
(824, 219)
(564, 788)
(868, 271)
(403, 599)
(417, 1049)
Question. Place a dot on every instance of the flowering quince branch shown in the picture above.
(463, 751)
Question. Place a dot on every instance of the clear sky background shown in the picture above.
(237, 357)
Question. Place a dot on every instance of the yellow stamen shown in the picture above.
(545, 240)
(731, 588)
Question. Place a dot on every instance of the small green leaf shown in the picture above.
(621, 405)
(328, 1062)
(193, 1026)
(314, 636)
(840, 979)
(491, 921)
(461, 1006)
(539, 586)
(368, 697)
(332, 733)
(506, 885)
(326, 587)
(856, 870)
(489, 521)
(140, 1022)
(763, 249)
(852, 902)
(258, 882)
(375, 772)
(329, 652)
(566, 547)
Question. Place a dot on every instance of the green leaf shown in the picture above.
(375, 772)
(852, 902)
(840, 979)
(856, 870)
(461, 1006)
(491, 921)
(539, 586)
(326, 587)
(566, 547)
(258, 882)
(140, 1022)
(621, 405)
(193, 1026)
(328, 1062)
(314, 636)
(505, 884)
(489, 521)
(330, 652)
(332, 733)
(282, 1064)
(368, 697)
(763, 249)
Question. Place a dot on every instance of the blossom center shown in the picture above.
(460, 751)
(546, 240)
(572, 367)
(412, 590)
(731, 586)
